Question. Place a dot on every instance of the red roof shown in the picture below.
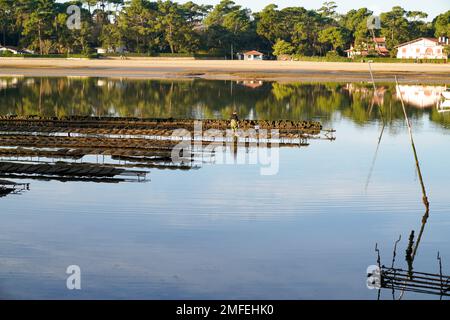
(382, 49)
(253, 53)
(379, 40)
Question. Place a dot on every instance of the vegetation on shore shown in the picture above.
(166, 27)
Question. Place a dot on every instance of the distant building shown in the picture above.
(12, 50)
(15, 50)
(423, 48)
(378, 45)
(253, 55)
(119, 50)
(101, 50)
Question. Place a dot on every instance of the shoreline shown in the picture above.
(176, 69)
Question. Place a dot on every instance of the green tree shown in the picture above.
(328, 9)
(270, 24)
(395, 27)
(282, 47)
(228, 25)
(178, 32)
(442, 25)
(38, 27)
(137, 23)
(6, 19)
(355, 21)
(332, 36)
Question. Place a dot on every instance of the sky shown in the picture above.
(433, 7)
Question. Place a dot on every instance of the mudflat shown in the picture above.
(157, 68)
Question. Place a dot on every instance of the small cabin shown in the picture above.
(253, 55)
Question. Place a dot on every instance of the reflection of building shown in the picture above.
(420, 96)
(423, 48)
(443, 106)
(251, 83)
(365, 92)
(8, 83)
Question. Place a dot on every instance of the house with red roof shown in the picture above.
(253, 55)
(378, 45)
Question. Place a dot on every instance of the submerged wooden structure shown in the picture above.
(10, 187)
(104, 149)
(414, 281)
(146, 126)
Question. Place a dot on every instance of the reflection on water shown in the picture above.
(224, 231)
(212, 99)
(420, 96)
(411, 280)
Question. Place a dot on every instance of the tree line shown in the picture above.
(153, 27)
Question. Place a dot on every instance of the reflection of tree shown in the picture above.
(201, 98)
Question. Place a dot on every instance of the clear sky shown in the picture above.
(432, 7)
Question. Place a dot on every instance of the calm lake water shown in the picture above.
(225, 231)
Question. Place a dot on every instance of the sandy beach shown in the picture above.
(225, 70)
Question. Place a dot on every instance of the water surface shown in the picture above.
(225, 231)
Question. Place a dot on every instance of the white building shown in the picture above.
(15, 50)
(423, 48)
(120, 50)
(253, 55)
(12, 50)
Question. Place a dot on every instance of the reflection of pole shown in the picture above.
(382, 129)
(419, 173)
(375, 94)
(371, 75)
(375, 156)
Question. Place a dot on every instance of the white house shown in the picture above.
(15, 50)
(12, 50)
(423, 48)
(253, 55)
(120, 50)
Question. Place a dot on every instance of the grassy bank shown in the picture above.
(367, 59)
